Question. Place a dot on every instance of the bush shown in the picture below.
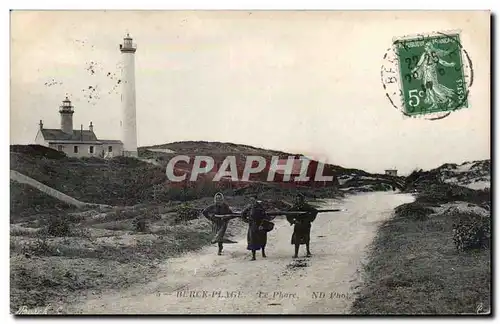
(151, 214)
(58, 225)
(92, 159)
(444, 193)
(186, 212)
(413, 211)
(130, 161)
(381, 187)
(420, 178)
(40, 247)
(140, 224)
(471, 231)
(486, 205)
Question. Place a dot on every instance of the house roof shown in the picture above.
(73, 142)
(76, 136)
(103, 141)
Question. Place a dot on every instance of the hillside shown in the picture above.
(199, 147)
(474, 175)
(127, 181)
(346, 179)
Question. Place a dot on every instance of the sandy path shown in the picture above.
(232, 284)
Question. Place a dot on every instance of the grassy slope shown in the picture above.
(414, 267)
(115, 182)
(26, 200)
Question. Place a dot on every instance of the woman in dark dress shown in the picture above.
(256, 217)
(219, 225)
(302, 229)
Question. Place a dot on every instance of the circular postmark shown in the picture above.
(427, 75)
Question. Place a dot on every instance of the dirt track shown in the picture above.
(232, 284)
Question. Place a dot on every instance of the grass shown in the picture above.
(414, 211)
(415, 268)
(67, 257)
(444, 192)
(52, 279)
(26, 200)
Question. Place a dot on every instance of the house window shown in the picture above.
(75, 149)
(60, 147)
(110, 148)
(91, 150)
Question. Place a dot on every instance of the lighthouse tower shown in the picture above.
(128, 118)
(66, 111)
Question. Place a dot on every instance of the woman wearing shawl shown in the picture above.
(302, 224)
(256, 217)
(219, 224)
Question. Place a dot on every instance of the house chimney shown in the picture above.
(66, 111)
(41, 124)
(91, 127)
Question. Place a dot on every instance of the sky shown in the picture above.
(295, 81)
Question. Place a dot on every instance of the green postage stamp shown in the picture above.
(432, 74)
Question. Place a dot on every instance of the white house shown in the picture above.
(77, 143)
(392, 172)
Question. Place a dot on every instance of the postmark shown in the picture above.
(427, 75)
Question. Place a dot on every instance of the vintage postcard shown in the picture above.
(250, 162)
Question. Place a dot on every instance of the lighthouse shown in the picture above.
(128, 117)
(66, 111)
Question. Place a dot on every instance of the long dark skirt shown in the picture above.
(256, 238)
(219, 228)
(301, 233)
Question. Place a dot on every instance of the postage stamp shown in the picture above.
(430, 73)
